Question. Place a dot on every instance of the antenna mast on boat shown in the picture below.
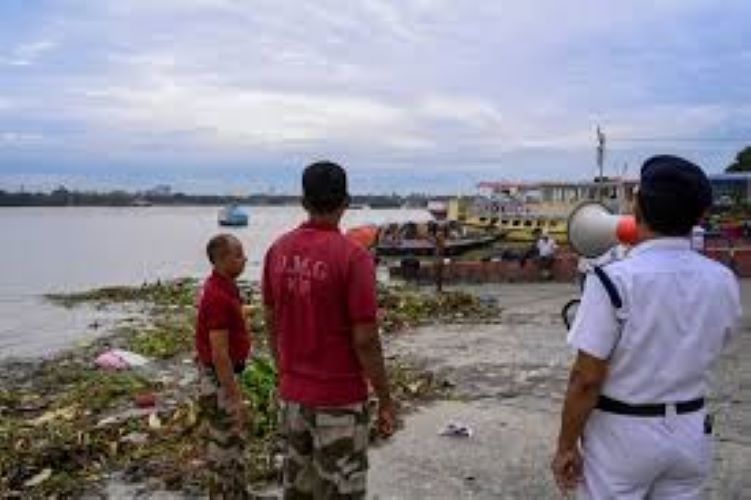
(600, 152)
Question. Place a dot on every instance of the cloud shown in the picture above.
(396, 85)
(27, 54)
(15, 139)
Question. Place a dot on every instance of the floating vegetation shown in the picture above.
(259, 383)
(405, 308)
(411, 382)
(180, 292)
(66, 425)
(164, 340)
(50, 438)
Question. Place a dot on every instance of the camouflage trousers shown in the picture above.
(326, 452)
(225, 447)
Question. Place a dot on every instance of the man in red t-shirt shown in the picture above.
(222, 347)
(319, 290)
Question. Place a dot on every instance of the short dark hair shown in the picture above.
(673, 195)
(218, 247)
(324, 186)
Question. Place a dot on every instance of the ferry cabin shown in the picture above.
(522, 211)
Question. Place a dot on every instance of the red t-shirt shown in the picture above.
(220, 308)
(319, 284)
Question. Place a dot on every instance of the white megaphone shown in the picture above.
(593, 229)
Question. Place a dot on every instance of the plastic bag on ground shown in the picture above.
(120, 359)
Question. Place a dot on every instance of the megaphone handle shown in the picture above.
(564, 312)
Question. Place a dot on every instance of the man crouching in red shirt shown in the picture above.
(319, 290)
(222, 346)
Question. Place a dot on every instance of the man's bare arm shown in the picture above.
(585, 382)
(223, 368)
(368, 348)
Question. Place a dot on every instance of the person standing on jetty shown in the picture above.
(319, 291)
(633, 422)
(546, 248)
(222, 347)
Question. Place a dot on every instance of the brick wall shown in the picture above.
(564, 269)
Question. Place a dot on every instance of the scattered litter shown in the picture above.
(110, 361)
(133, 359)
(38, 479)
(186, 380)
(66, 413)
(32, 403)
(171, 403)
(105, 422)
(124, 417)
(120, 359)
(154, 422)
(456, 429)
(135, 438)
(415, 387)
(107, 430)
(145, 400)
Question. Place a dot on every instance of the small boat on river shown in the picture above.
(232, 216)
(412, 239)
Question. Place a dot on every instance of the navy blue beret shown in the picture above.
(672, 178)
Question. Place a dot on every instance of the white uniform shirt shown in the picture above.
(546, 248)
(679, 311)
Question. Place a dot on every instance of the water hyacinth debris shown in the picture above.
(65, 425)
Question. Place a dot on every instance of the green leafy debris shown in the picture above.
(64, 425)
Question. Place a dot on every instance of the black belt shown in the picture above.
(610, 405)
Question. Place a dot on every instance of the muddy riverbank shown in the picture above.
(494, 359)
(68, 428)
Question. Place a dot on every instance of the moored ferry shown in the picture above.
(522, 211)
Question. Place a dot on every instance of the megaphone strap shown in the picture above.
(615, 297)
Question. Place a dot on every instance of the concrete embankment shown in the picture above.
(509, 379)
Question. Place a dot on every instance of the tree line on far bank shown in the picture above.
(742, 161)
(64, 197)
(61, 197)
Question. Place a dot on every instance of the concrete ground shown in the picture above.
(509, 379)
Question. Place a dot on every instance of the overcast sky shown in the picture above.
(420, 95)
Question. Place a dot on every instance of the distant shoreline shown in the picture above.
(64, 198)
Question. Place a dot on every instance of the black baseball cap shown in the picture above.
(673, 194)
(324, 185)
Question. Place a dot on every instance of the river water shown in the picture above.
(68, 249)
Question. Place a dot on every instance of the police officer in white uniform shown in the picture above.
(634, 423)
